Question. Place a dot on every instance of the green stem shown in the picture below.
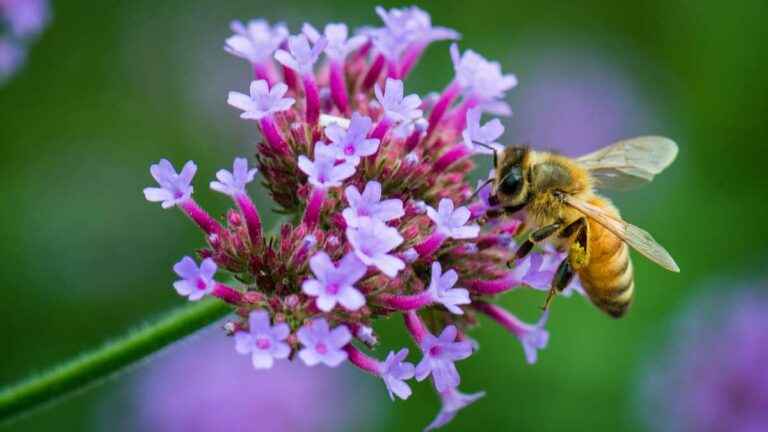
(96, 366)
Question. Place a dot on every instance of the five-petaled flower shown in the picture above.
(453, 400)
(195, 281)
(486, 134)
(441, 287)
(301, 56)
(174, 188)
(369, 204)
(394, 371)
(262, 102)
(263, 341)
(255, 41)
(352, 143)
(452, 222)
(483, 80)
(398, 108)
(439, 355)
(233, 183)
(373, 241)
(339, 44)
(323, 345)
(323, 172)
(335, 283)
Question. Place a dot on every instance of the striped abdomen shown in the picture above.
(608, 278)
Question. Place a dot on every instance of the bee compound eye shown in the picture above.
(512, 182)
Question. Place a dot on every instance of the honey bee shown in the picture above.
(558, 195)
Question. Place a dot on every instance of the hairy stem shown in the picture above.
(95, 366)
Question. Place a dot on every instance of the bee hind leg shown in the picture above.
(562, 278)
(578, 253)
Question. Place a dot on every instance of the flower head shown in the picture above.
(233, 183)
(486, 134)
(174, 188)
(443, 292)
(413, 24)
(533, 272)
(452, 222)
(337, 35)
(255, 41)
(262, 102)
(453, 400)
(372, 241)
(394, 371)
(399, 108)
(321, 344)
(482, 79)
(323, 172)
(369, 204)
(352, 143)
(195, 281)
(263, 341)
(439, 355)
(301, 56)
(335, 284)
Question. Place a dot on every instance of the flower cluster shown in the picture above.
(376, 181)
(20, 22)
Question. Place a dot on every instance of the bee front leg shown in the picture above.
(537, 236)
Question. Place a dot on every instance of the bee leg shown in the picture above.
(535, 237)
(578, 252)
(562, 278)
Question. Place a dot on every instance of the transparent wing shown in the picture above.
(637, 238)
(630, 163)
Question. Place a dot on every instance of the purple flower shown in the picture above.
(352, 143)
(410, 255)
(263, 341)
(233, 183)
(442, 290)
(301, 57)
(322, 345)
(335, 284)
(486, 134)
(413, 24)
(482, 79)
(369, 204)
(532, 337)
(323, 171)
(195, 281)
(11, 57)
(531, 271)
(398, 108)
(255, 42)
(338, 46)
(453, 400)
(25, 18)
(394, 372)
(372, 241)
(439, 355)
(262, 102)
(174, 188)
(366, 335)
(452, 223)
(484, 194)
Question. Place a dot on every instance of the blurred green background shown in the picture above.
(113, 86)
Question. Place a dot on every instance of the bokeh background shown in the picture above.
(111, 86)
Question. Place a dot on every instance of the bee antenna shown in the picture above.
(495, 153)
(477, 191)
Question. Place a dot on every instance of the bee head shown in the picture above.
(511, 184)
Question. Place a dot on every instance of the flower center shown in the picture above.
(333, 288)
(321, 348)
(200, 284)
(435, 351)
(263, 343)
(349, 150)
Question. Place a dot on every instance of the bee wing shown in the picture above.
(638, 238)
(630, 163)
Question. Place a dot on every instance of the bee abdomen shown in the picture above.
(608, 278)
